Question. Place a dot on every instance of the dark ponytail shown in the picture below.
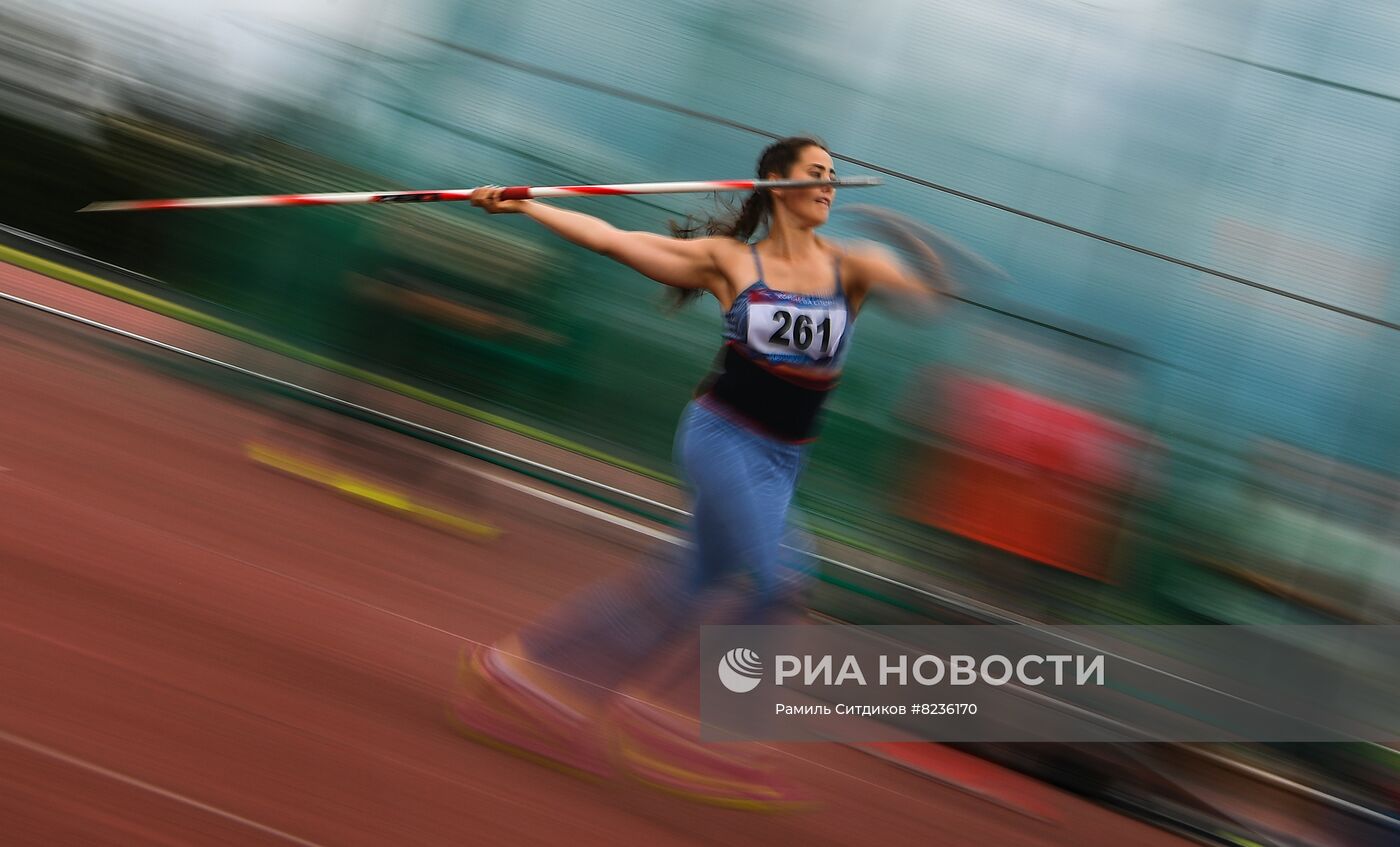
(753, 215)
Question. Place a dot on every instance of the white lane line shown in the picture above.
(571, 504)
(344, 404)
(90, 767)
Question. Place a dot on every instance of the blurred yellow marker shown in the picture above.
(361, 489)
(1239, 839)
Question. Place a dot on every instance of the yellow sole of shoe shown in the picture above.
(472, 684)
(624, 755)
(519, 752)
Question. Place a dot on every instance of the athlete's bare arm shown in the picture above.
(682, 263)
(873, 270)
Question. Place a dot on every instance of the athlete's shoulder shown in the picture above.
(860, 261)
(861, 253)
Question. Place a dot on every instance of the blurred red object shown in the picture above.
(1027, 474)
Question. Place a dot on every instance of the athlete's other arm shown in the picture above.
(917, 292)
(682, 263)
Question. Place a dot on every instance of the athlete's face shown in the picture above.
(808, 207)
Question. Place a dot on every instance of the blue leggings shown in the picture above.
(741, 484)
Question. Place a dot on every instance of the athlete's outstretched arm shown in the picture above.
(683, 263)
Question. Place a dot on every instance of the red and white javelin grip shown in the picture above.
(515, 192)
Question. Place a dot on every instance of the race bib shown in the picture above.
(779, 329)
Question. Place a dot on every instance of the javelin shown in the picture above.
(516, 192)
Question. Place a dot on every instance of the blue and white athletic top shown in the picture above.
(783, 354)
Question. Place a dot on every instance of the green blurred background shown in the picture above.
(1252, 467)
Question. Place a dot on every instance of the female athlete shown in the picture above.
(789, 303)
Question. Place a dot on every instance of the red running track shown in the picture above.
(194, 650)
